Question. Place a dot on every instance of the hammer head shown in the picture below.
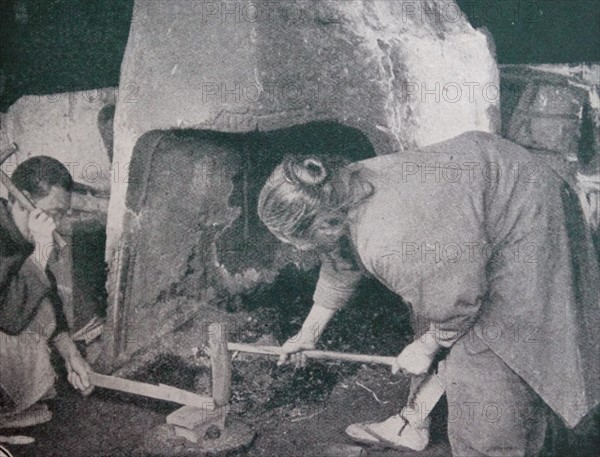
(197, 424)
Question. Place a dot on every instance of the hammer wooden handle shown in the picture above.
(7, 152)
(22, 199)
(322, 355)
(160, 392)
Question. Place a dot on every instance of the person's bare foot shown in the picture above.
(34, 415)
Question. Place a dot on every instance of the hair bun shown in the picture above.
(310, 171)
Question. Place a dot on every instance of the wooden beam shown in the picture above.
(160, 392)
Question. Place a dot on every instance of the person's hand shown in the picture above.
(415, 359)
(78, 373)
(589, 197)
(77, 368)
(41, 229)
(41, 226)
(293, 349)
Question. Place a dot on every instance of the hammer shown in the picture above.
(196, 424)
(428, 392)
(19, 196)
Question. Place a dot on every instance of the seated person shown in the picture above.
(31, 313)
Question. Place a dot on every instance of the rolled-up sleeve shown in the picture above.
(337, 283)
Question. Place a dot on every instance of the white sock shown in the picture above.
(414, 437)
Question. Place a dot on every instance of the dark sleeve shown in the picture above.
(57, 304)
(23, 286)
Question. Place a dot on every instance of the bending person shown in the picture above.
(494, 256)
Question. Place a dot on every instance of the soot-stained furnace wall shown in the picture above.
(395, 80)
(194, 234)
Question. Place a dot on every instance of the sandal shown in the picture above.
(34, 415)
(408, 439)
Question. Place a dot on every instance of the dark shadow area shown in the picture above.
(89, 270)
(511, 93)
(67, 45)
(106, 117)
(375, 321)
(589, 143)
(247, 241)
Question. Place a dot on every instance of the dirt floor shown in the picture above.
(291, 416)
(295, 413)
(109, 424)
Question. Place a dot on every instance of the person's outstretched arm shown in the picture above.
(337, 282)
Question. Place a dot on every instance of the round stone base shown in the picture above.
(163, 442)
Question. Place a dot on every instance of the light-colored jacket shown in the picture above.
(477, 233)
